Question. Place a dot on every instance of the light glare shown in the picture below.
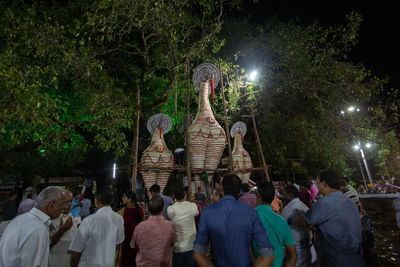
(114, 169)
(351, 109)
(368, 145)
(253, 75)
(356, 147)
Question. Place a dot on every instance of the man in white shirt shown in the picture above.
(306, 254)
(182, 214)
(98, 235)
(62, 231)
(26, 241)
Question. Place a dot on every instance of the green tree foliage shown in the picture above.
(305, 80)
(69, 71)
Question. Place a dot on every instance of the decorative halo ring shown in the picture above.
(161, 121)
(204, 72)
(238, 127)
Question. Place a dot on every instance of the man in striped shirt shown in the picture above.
(351, 193)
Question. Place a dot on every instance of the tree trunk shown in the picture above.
(135, 142)
(187, 150)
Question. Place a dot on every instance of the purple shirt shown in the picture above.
(249, 199)
(305, 197)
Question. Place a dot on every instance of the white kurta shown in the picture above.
(306, 253)
(97, 237)
(59, 256)
(26, 241)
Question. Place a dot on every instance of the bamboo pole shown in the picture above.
(187, 150)
(197, 169)
(136, 141)
(264, 165)
(226, 120)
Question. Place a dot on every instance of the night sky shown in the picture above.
(377, 49)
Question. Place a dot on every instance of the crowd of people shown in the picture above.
(237, 227)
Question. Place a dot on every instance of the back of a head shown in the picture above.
(179, 192)
(155, 188)
(266, 191)
(104, 196)
(156, 205)
(50, 193)
(132, 196)
(231, 184)
(330, 178)
(304, 184)
(345, 179)
(291, 189)
(288, 181)
(245, 187)
(342, 183)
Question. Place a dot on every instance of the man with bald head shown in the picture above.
(26, 241)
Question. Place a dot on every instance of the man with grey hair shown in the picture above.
(26, 241)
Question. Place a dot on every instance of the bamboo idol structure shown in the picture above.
(206, 138)
(240, 157)
(157, 155)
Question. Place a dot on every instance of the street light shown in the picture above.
(253, 75)
(358, 147)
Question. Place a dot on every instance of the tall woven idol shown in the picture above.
(157, 155)
(240, 157)
(206, 137)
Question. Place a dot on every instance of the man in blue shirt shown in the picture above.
(230, 226)
(338, 225)
(75, 206)
(155, 191)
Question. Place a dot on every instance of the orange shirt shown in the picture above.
(276, 205)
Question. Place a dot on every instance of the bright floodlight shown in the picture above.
(342, 112)
(253, 75)
(358, 110)
(368, 145)
(114, 168)
(356, 147)
(351, 109)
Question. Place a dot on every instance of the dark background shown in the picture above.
(378, 44)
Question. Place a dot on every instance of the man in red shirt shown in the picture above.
(154, 238)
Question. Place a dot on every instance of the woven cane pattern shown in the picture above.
(157, 155)
(207, 138)
(205, 72)
(241, 159)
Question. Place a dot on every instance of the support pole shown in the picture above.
(366, 166)
(135, 144)
(228, 138)
(362, 172)
(264, 165)
(187, 150)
